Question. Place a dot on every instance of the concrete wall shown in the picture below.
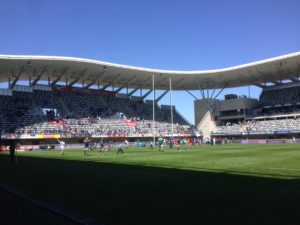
(201, 107)
(239, 103)
(214, 106)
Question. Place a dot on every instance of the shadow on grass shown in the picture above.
(17, 211)
(131, 194)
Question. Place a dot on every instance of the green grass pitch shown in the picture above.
(226, 184)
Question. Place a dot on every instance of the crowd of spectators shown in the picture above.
(269, 126)
(81, 114)
(283, 110)
(287, 95)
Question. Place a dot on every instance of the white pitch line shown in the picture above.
(278, 168)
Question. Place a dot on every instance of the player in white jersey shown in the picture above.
(62, 146)
(121, 146)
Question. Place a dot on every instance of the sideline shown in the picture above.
(281, 168)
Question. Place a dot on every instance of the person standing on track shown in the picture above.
(12, 152)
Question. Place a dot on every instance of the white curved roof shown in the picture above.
(92, 72)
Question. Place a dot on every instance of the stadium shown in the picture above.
(81, 97)
(239, 164)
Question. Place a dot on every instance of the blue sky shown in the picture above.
(162, 34)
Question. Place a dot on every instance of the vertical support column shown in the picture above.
(172, 126)
(153, 109)
(248, 91)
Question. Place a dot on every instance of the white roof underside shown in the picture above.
(85, 71)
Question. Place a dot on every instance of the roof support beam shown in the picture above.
(212, 94)
(146, 81)
(161, 96)
(215, 88)
(106, 86)
(164, 80)
(22, 69)
(111, 82)
(178, 82)
(77, 79)
(133, 91)
(128, 83)
(131, 80)
(120, 88)
(192, 94)
(38, 77)
(147, 93)
(202, 93)
(59, 76)
(220, 92)
(73, 82)
(94, 81)
(201, 90)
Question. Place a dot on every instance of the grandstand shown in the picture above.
(277, 113)
(53, 105)
(73, 112)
